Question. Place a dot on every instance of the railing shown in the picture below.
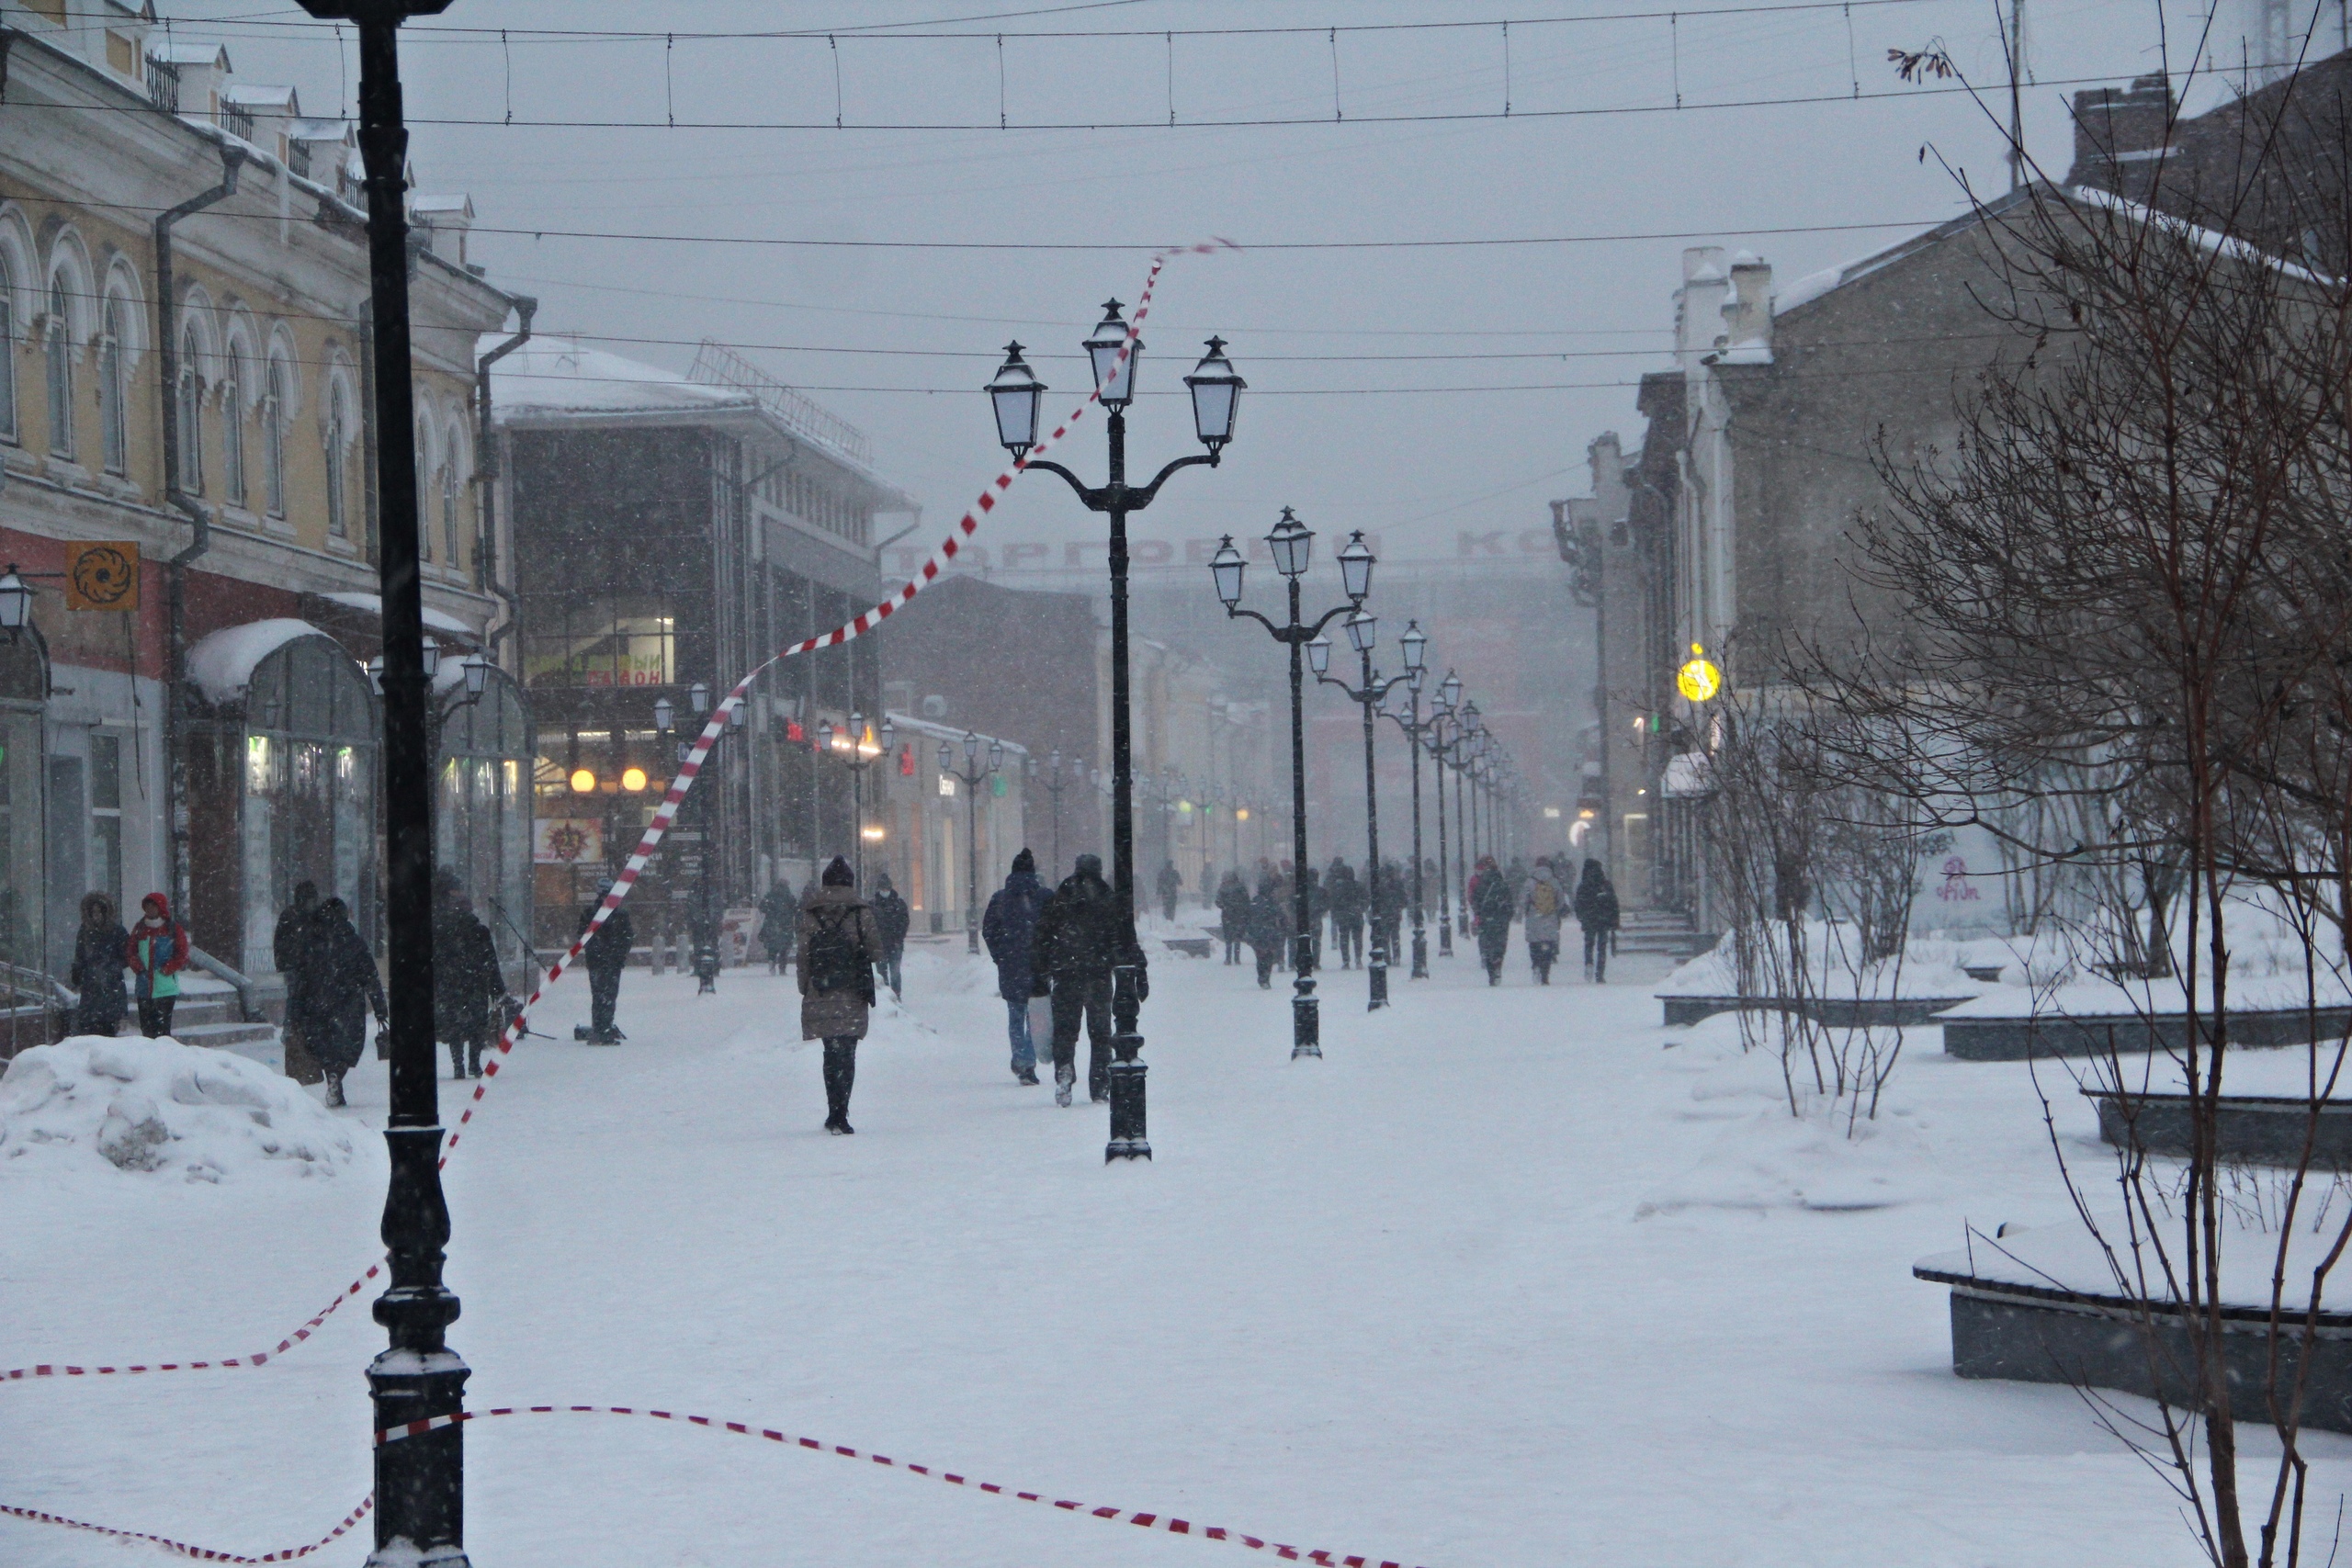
(297, 159)
(237, 122)
(164, 85)
(718, 366)
(248, 1011)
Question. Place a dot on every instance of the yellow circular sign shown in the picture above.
(1698, 680)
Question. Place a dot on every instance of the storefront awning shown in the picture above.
(223, 664)
(1687, 776)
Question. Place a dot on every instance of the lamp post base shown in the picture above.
(1306, 1021)
(1377, 971)
(1127, 1140)
(1420, 953)
(1445, 937)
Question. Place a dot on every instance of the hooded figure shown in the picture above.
(341, 988)
(289, 947)
(1009, 928)
(605, 954)
(155, 951)
(1595, 908)
(1491, 907)
(1233, 914)
(1081, 938)
(891, 919)
(97, 968)
(839, 948)
(1348, 901)
(466, 978)
(1544, 905)
(1170, 883)
(778, 911)
(1270, 917)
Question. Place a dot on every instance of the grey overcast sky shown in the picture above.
(1419, 392)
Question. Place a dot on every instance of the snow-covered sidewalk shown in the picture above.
(1511, 1277)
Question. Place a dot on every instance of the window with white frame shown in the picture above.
(8, 353)
(424, 489)
(273, 436)
(114, 394)
(450, 510)
(232, 430)
(338, 502)
(191, 414)
(60, 345)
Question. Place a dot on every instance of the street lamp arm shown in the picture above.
(1308, 634)
(1095, 499)
(1234, 613)
(1139, 499)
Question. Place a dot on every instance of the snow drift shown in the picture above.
(159, 1108)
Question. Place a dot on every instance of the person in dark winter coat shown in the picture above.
(778, 914)
(1491, 910)
(1081, 938)
(1346, 895)
(339, 991)
(1170, 883)
(605, 954)
(839, 948)
(891, 918)
(1269, 920)
(1233, 914)
(466, 980)
(1596, 907)
(155, 951)
(1009, 928)
(1387, 903)
(100, 997)
(1542, 905)
(1319, 905)
(289, 947)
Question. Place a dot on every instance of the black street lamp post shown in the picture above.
(1216, 390)
(1362, 631)
(1055, 784)
(858, 753)
(420, 1480)
(973, 775)
(1292, 543)
(1416, 730)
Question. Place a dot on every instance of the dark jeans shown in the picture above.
(98, 1018)
(1265, 967)
(891, 966)
(155, 1015)
(1088, 999)
(841, 1075)
(1350, 942)
(603, 996)
(1596, 954)
(1233, 950)
(1542, 954)
(1492, 945)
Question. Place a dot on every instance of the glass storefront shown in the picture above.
(310, 789)
(23, 1003)
(482, 807)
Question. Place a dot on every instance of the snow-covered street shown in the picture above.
(1511, 1277)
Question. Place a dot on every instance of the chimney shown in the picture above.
(444, 219)
(1747, 313)
(2118, 131)
(1698, 306)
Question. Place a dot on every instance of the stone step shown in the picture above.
(225, 1031)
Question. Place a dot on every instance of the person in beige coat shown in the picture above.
(839, 946)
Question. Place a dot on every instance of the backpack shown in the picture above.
(831, 958)
(1545, 901)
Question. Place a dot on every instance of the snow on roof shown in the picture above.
(557, 376)
(223, 664)
(310, 129)
(953, 732)
(260, 96)
(434, 620)
(1686, 776)
(461, 204)
(187, 51)
(2205, 239)
(1814, 284)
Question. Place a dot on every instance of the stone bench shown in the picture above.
(2252, 1129)
(1192, 946)
(1837, 1012)
(2014, 1039)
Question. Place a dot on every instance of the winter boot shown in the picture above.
(1064, 1079)
(456, 1062)
(335, 1092)
(473, 1059)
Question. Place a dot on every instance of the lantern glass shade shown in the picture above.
(1014, 391)
(996, 756)
(1415, 643)
(1415, 676)
(1226, 569)
(477, 670)
(665, 715)
(971, 747)
(1355, 568)
(1449, 691)
(1293, 543)
(15, 602)
(429, 652)
(698, 695)
(946, 758)
(1114, 373)
(1362, 631)
(889, 733)
(1470, 720)
(1054, 763)
(1217, 390)
(735, 717)
(1318, 654)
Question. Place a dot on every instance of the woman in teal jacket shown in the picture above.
(155, 954)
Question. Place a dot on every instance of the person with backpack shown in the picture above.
(891, 918)
(1081, 938)
(605, 954)
(1595, 908)
(1543, 907)
(839, 948)
(155, 951)
(1009, 928)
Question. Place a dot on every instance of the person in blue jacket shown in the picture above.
(1008, 926)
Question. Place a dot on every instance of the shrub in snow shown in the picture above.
(157, 1106)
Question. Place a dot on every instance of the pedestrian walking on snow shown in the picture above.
(605, 954)
(1009, 928)
(890, 920)
(1491, 908)
(289, 946)
(1596, 907)
(778, 913)
(1543, 907)
(1170, 883)
(155, 953)
(1233, 914)
(466, 978)
(1081, 938)
(100, 999)
(340, 988)
(1270, 931)
(1387, 905)
(1346, 897)
(839, 948)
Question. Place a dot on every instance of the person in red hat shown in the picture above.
(155, 953)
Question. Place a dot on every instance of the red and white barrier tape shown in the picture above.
(201, 1553)
(1163, 1522)
(688, 771)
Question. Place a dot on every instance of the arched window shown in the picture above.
(191, 414)
(232, 430)
(423, 490)
(273, 437)
(60, 370)
(114, 398)
(449, 511)
(8, 354)
(338, 505)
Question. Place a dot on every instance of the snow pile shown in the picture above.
(1928, 967)
(157, 1106)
